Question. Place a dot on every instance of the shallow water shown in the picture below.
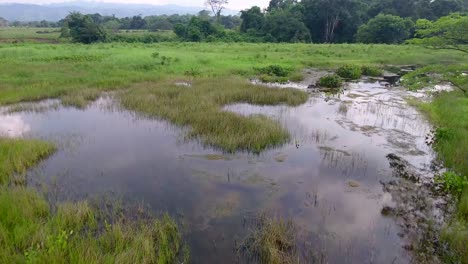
(327, 178)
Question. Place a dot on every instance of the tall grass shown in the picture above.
(16, 156)
(37, 71)
(449, 112)
(200, 108)
(30, 233)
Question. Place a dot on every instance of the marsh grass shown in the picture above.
(30, 233)
(32, 72)
(17, 155)
(200, 108)
(456, 234)
(449, 112)
(271, 241)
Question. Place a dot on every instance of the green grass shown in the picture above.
(30, 233)
(27, 34)
(16, 156)
(37, 71)
(449, 112)
(74, 232)
(200, 108)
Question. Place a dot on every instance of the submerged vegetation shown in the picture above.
(271, 241)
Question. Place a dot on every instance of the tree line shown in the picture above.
(316, 21)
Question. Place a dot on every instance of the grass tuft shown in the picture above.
(30, 233)
(17, 155)
(200, 108)
(272, 241)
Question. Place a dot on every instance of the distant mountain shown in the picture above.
(55, 12)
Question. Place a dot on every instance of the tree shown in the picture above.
(217, 7)
(387, 29)
(252, 19)
(3, 22)
(280, 4)
(83, 29)
(197, 30)
(449, 32)
(285, 27)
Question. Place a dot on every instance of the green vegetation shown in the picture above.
(56, 71)
(449, 112)
(274, 73)
(456, 234)
(272, 241)
(385, 29)
(81, 28)
(75, 232)
(200, 108)
(449, 32)
(454, 183)
(30, 233)
(16, 156)
(331, 81)
(349, 71)
(371, 71)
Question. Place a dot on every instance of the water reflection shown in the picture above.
(211, 193)
(13, 126)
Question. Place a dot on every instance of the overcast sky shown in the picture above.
(233, 4)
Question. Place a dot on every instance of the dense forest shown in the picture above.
(316, 21)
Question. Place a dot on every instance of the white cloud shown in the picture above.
(13, 126)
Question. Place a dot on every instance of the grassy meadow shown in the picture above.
(144, 77)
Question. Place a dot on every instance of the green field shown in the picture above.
(52, 35)
(47, 35)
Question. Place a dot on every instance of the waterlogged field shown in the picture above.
(179, 128)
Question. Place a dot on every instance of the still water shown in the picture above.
(327, 179)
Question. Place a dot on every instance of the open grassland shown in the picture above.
(33, 72)
(27, 34)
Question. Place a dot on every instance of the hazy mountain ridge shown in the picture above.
(57, 11)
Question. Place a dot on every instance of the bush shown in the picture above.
(82, 29)
(274, 70)
(387, 29)
(371, 71)
(453, 183)
(331, 81)
(351, 72)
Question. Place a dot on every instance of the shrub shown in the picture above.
(82, 29)
(274, 70)
(351, 72)
(371, 71)
(453, 183)
(330, 81)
